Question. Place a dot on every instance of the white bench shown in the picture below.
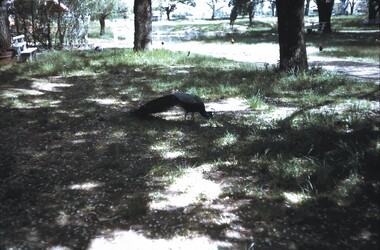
(28, 53)
(18, 44)
(319, 26)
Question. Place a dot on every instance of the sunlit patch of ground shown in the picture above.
(132, 240)
(50, 87)
(230, 104)
(190, 188)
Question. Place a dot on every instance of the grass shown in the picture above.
(306, 173)
(344, 42)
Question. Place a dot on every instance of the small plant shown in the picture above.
(256, 101)
(228, 139)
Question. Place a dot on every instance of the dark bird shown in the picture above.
(190, 103)
(320, 47)
(98, 48)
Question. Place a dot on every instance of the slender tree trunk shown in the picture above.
(5, 37)
(251, 12)
(352, 7)
(33, 23)
(59, 26)
(48, 35)
(325, 8)
(102, 21)
(143, 24)
(307, 5)
(273, 7)
(290, 31)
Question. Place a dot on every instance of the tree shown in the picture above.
(373, 10)
(290, 31)
(101, 9)
(143, 24)
(5, 37)
(213, 4)
(325, 8)
(307, 7)
(352, 6)
(239, 7)
(169, 9)
(251, 11)
(273, 7)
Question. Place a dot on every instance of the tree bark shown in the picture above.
(290, 31)
(325, 8)
(102, 21)
(373, 9)
(251, 12)
(307, 7)
(143, 24)
(5, 37)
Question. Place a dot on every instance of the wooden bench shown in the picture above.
(318, 26)
(28, 53)
(18, 44)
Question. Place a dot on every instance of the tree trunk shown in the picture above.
(102, 21)
(325, 8)
(373, 9)
(273, 7)
(307, 7)
(251, 12)
(352, 7)
(5, 37)
(143, 24)
(233, 15)
(290, 31)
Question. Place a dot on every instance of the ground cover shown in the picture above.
(288, 162)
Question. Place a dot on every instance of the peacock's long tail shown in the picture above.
(157, 105)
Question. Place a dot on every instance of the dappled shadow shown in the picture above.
(78, 171)
(360, 70)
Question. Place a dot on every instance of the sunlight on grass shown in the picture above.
(104, 101)
(118, 133)
(257, 102)
(15, 93)
(228, 139)
(353, 52)
(85, 186)
(166, 151)
(187, 189)
(46, 103)
(133, 240)
(295, 198)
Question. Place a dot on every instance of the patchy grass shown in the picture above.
(301, 161)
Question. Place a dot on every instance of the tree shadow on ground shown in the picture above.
(77, 167)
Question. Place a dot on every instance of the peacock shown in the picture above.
(189, 102)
